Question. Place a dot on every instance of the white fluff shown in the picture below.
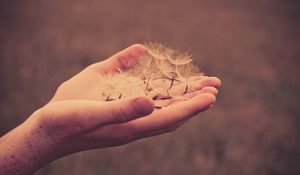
(162, 74)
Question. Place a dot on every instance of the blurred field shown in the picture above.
(253, 46)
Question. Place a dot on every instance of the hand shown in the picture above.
(75, 120)
(80, 121)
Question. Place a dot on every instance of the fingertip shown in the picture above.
(135, 52)
(206, 98)
(208, 81)
(210, 100)
(139, 48)
(210, 89)
(217, 81)
(129, 56)
(143, 105)
(210, 97)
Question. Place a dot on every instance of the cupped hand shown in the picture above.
(76, 120)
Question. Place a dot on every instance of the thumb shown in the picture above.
(87, 115)
(124, 110)
(91, 114)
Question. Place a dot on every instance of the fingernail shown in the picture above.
(143, 106)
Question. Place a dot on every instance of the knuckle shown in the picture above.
(120, 115)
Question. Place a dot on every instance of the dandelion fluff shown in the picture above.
(164, 74)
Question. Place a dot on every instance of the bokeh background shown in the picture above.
(253, 46)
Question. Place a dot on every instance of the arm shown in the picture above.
(74, 120)
(24, 149)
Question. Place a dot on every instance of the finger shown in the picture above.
(162, 103)
(159, 122)
(120, 61)
(117, 111)
(124, 110)
(196, 78)
(209, 89)
(179, 98)
(194, 84)
(208, 81)
(85, 115)
(171, 117)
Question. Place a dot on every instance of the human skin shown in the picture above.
(74, 120)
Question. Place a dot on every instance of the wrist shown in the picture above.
(26, 148)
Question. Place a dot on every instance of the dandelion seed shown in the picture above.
(159, 74)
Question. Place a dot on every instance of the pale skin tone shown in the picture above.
(74, 120)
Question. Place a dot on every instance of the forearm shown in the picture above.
(25, 149)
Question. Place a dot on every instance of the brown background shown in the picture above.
(253, 46)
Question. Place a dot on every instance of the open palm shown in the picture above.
(79, 120)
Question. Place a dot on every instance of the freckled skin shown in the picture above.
(74, 120)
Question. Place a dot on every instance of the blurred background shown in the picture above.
(253, 46)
